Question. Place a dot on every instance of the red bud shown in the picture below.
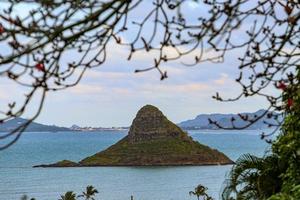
(288, 9)
(290, 102)
(40, 66)
(1, 29)
(282, 86)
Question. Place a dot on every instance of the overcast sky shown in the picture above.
(112, 94)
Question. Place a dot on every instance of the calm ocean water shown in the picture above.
(17, 177)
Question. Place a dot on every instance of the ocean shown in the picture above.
(17, 177)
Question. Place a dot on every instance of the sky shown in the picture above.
(111, 94)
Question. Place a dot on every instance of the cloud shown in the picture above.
(3, 96)
(224, 79)
(98, 74)
(173, 89)
(193, 4)
(129, 84)
(84, 89)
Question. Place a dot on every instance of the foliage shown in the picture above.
(200, 191)
(89, 194)
(254, 178)
(25, 197)
(287, 146)
(293, 194)
(162, 150)
(68, 196)
(277, 175)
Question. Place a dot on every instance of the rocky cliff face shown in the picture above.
(152, 141)
(151, 124)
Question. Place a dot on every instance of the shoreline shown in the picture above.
(156, 165)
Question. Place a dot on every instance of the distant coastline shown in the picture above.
(200, 122)
(89, 128)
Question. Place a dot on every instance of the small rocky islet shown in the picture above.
(152, 140)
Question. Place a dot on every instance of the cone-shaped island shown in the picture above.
(152, 140)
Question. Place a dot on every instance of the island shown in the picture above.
(152, 140)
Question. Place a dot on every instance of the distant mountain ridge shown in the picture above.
(37, 127)
(202, 121)
(33, 127)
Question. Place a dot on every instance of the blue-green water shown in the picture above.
(17, 177)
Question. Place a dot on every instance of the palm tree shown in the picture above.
(25, 197)
(254, 178)
(89, 193)
(200, 191)
(70, 195)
